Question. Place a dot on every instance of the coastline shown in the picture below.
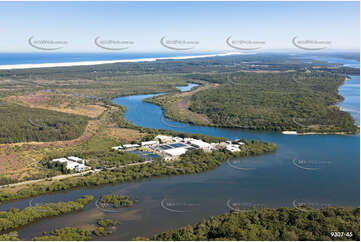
(313, 133)
(91, 63)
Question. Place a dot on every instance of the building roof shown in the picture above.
(74, 158)
(71, 165)
(176, 151)
(130, 145)
(199, 143)
(152, 142)
(233, 148)
(61, 160)
(164, 137)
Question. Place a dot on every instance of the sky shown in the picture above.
(208, 24)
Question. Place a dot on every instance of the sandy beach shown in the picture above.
(89, 63)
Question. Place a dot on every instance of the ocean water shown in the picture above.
(350, 90)
(40, 58)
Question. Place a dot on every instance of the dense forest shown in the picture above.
(14, 218)
(23, 124)
(304, 102)
(273, 224)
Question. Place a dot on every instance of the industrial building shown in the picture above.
(73, 163)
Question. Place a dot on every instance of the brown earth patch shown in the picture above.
(124, 135)
(59, 102)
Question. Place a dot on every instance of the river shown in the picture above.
(272, 180)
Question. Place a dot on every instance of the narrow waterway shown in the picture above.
(272, 180)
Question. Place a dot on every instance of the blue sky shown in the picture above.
(209, 23)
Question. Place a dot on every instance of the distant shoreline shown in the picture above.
(90, 63)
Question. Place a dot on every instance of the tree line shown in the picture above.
(14, 218)
(284, 224)
(192, 162)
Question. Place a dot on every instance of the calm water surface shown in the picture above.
(274, 181)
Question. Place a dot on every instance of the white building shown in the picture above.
(175, 152)
(199, 144)
(148, 143)
(61, 160)
(71, 163)
(117, 147)
(187, 140)
(131, 146)
(233, 148)
(177, 139)
(76, 159)
(80, 167)
(164, 138)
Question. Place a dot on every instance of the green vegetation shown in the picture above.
(136, 76)
(111, 158)
(65, 234)
(191, 162)
(275, 101)
(273, 224)
(76, 234)
(115, 201)
(106, 223)
(23, 124)
(15, 218)
(12, 236)
(101, 232)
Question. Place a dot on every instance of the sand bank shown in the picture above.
(90, 63)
